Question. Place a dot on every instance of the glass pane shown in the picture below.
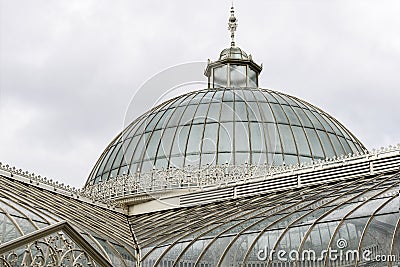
(225, 141)
(214, 112)
(209, 97)
(289, 146)
(188, 115)
(305, 121)
(117, 163)
(252, 78)
(291, 159)
(376, 241)
(176, 116)
(323, 122)
(290, 101)
(153, 145)
(273, 140)
(227, 111)
(238, 76)
(220, 76)
(129, 148)
(248, 95)
(301, 141)
(201, 113)
(253, 111)
(242, 137)
(316, 148)
(228, 96)
(239, 95)
(291, 115)
(337, 145)
(314, 120)
(147, 166)
(270, 98)
(194, 142)
(151, 121)
(257, 137)
(164, 119)
(210, 138)
(112, 157)
(197, 98)
(329, 152)
(181, 136)
(240, 111)
(346, 145)
(166, 142)
(267, 113)
(140, 147)
(279, 114)
(259, 96)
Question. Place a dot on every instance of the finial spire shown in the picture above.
(232, 24)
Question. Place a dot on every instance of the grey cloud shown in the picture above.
(68, 69)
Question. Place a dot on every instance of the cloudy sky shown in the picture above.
(70, 69)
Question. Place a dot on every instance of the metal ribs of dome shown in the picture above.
(219, 126)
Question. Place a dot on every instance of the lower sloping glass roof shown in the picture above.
(27, 210)
(356, 220)
(289, 228)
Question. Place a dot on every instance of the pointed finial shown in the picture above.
(232, 24)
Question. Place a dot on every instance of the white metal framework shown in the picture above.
(350, 200)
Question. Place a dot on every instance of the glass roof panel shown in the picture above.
(206, 125)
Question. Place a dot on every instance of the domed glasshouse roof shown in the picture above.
(231, 122)
(225, 125)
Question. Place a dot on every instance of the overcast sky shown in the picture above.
(69, 69)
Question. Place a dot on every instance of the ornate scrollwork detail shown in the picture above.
(156, 181)
(9, 261)
(188, 177)
(53, 251)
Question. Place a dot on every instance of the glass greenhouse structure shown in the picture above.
(230, 175)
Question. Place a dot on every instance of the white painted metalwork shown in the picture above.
(211, 177)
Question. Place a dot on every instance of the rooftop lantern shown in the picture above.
(234, 68)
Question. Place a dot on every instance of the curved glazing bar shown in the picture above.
(217, 229)
(298, 221)
(360, 224)
(280, 219)
(321, 205)
(289, 220)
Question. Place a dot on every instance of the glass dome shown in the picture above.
(218, 126)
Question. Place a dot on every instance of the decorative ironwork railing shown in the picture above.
(53, 185)
(159, 181)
